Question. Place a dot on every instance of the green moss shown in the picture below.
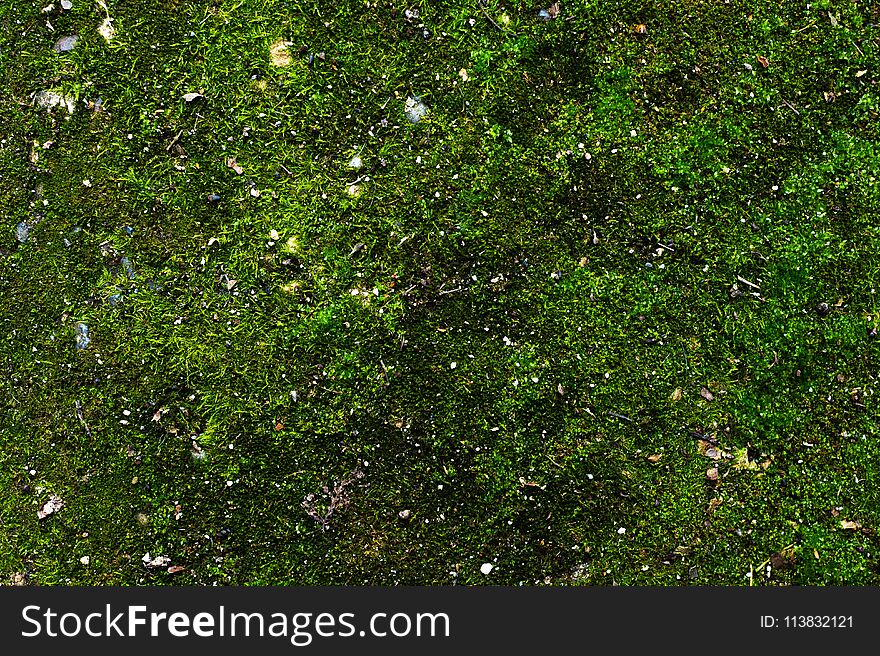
(622, 241)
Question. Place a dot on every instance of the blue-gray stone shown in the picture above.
(82, 336)
(22, 230)
(65, 43)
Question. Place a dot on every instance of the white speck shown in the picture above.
(126, 412)
(453, 365)
(85, 560)
(87, 183)
(633, 133)
(485, 568)
(621, 530)
(228, 483)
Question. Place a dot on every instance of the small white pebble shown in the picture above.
(85, 560)
(621, 530)
(485, 568)
(453, 365)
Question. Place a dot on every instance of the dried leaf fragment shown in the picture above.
(706, 394)
(231, 163)
(158, 561)
(189, 97)
(655, 457)
(176, 569)
(641, 28)
(553, 10)
(849, 525)
(676, 395)
(763, 61)
(278, 53)
(712, 474)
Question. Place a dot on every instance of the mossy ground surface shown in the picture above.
(544, 349)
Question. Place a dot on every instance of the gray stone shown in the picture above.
(22, 230)
(414, 109)
(65, 43)
(82, 336)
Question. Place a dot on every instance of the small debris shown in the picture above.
(66, 4)
(405, 514)
(231, 163)
(85, 560)
(65, 43)
(356, 163)
(357, 248)
(189, 97)
(486, 568)
(278, 53)
(712, 474)
(414, 109)
(176, 569)
(544, 15)
(158, 561)
(655, 458)
(106, 29)
(641, 28)
(53, 505)
(706, 394)
(763, 61)
(676, 395)
(463, 74)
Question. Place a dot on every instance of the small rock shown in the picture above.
(414, 109)
(405, 514)
(544, 15)
(822, 309)
(53, 505)
(712, 474)
(356, 163)
(82, 336)
(189, 97)
(49, 99)
(486, 568)
(65, 43)
(85, 560)
(22, 230)
(66, 4)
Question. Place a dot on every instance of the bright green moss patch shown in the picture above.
(606, 312)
